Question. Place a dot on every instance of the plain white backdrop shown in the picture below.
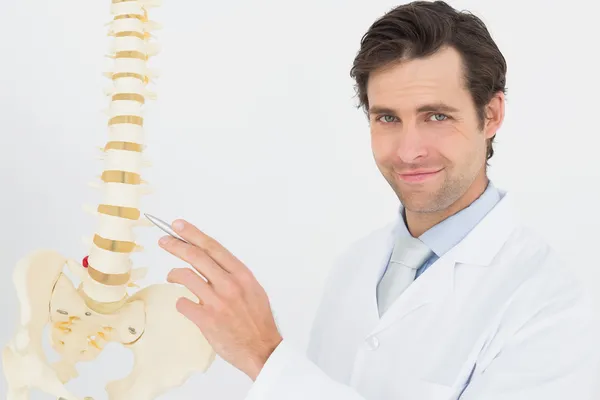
(255, 138)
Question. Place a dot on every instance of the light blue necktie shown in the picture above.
(408, 255)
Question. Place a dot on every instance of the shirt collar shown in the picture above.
(448, 233)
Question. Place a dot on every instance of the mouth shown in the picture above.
(418, 176)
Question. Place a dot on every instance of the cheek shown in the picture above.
(447, 147)
(454, 144)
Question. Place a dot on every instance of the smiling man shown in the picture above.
(456, 298)
(429, 141)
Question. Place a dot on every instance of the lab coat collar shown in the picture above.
(482, 244)
(448, 233)
(484, 240)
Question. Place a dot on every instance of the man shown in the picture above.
(454, 300)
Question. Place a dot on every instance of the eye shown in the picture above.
(439, 117)
(389, 120)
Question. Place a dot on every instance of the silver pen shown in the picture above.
(165, 227)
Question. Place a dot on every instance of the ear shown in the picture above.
(494, 113)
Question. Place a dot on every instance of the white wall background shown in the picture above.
(255, 138)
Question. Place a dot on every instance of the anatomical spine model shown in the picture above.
(83, 318)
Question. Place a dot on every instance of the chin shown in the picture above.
(422, 207)
(425, 201)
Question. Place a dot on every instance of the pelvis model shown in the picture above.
(83, 318)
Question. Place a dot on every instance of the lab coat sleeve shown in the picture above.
(290, 375)
(553, 356)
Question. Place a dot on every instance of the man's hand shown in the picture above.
(234, 313)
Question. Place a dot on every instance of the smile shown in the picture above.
(418, 177)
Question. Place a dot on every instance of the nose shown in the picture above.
(410, 144)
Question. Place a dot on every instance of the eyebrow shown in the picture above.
(434, 107)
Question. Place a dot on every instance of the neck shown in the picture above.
(419, 223)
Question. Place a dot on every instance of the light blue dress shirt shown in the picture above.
(448, 233)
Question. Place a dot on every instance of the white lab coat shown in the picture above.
(497, 318)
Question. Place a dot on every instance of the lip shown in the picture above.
(419, 176)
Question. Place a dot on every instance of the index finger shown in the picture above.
(214, 249)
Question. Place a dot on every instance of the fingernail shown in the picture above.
(178, 225)
(164, 240)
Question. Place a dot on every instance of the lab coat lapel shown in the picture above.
(477, 249)
(431, 285)
(436, 282)
(372, 266)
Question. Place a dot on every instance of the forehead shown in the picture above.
(408, 84)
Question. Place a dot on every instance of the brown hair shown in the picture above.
(421, 28)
